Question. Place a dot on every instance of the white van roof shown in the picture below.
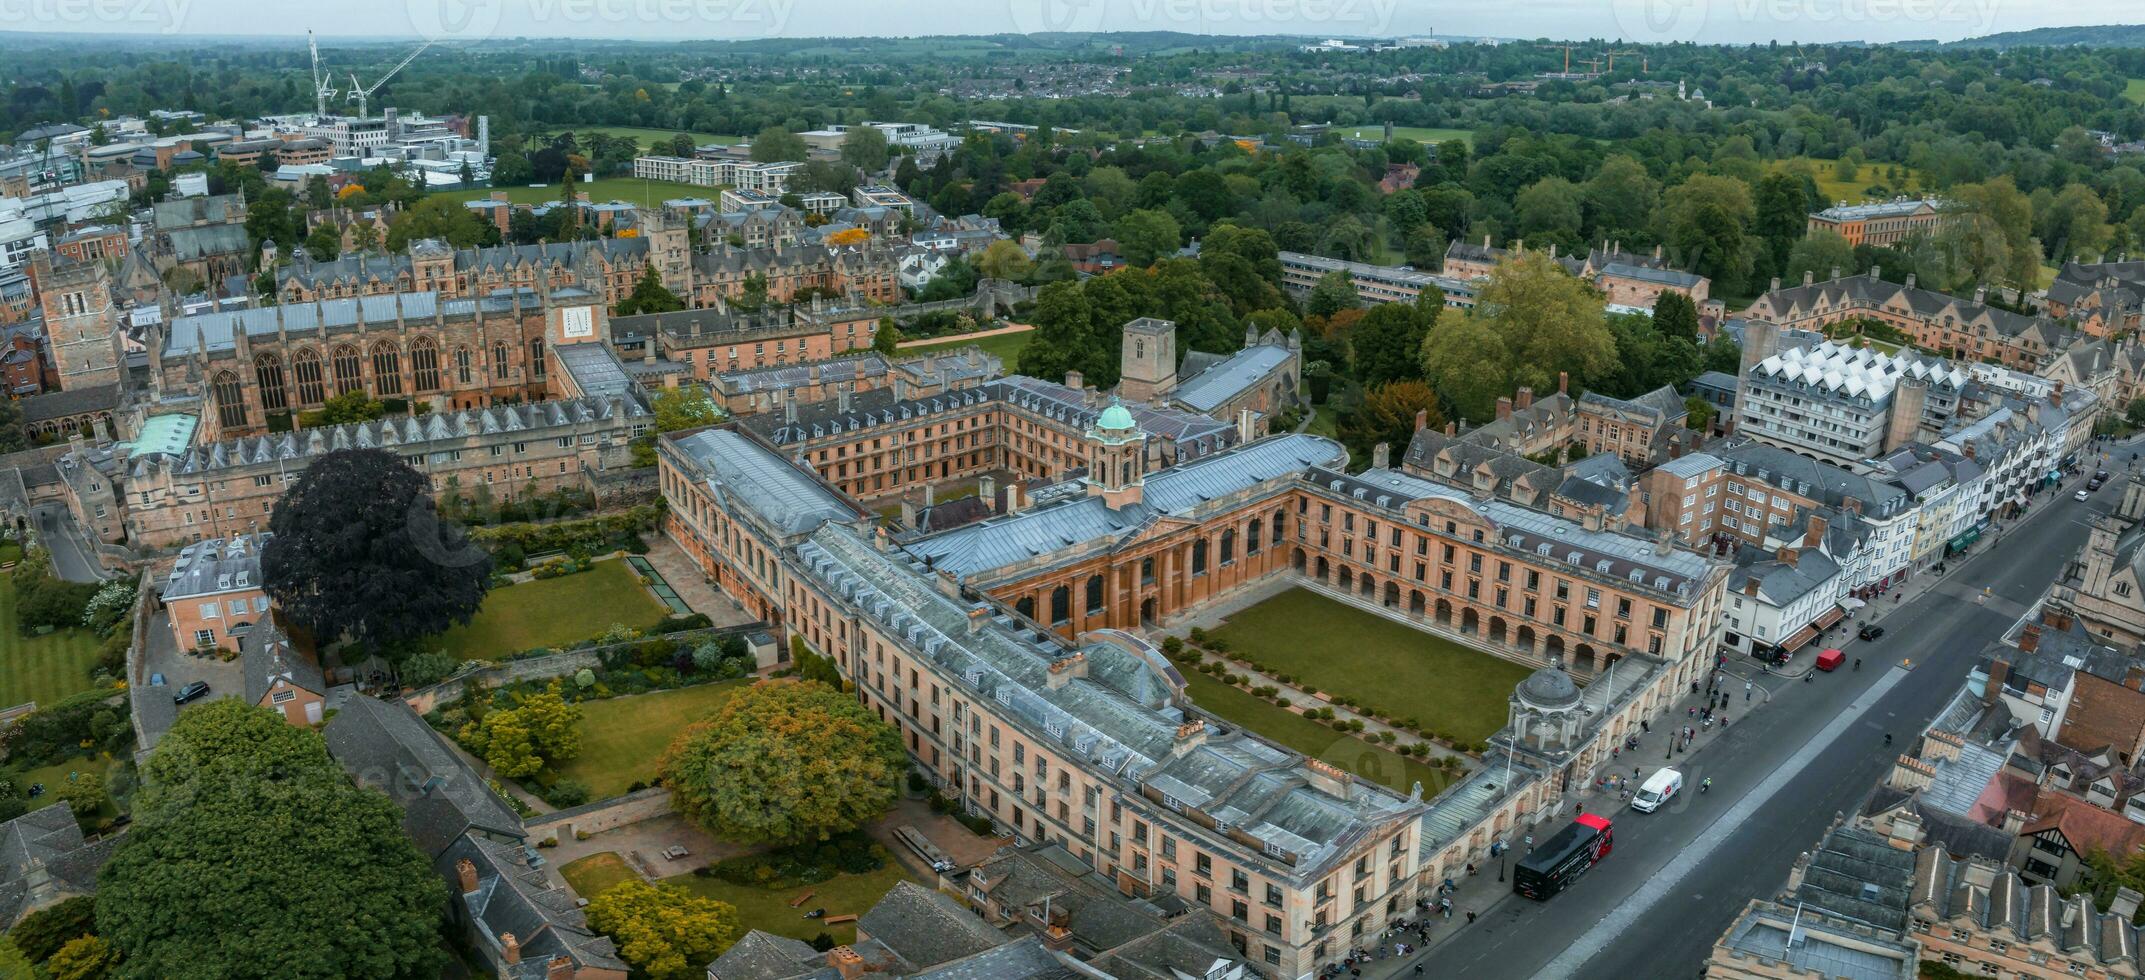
(1661, 780)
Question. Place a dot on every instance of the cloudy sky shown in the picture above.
(1725, 21)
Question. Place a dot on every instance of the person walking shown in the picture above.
(1470, 916)
(1746, 690)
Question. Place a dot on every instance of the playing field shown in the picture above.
(2134, 91)
(628, 189)
(1423, 134)
(44, 669)
(648, 138)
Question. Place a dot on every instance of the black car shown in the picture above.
(1869, 632)
(191, 692)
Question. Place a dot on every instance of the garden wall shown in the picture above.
(602, 815)
(555, 665)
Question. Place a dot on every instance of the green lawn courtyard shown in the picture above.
(554, 612)
(44, 669)
(1280, 725)
(589, 876)
(1007, 347)
(1387, 666)
(622, 738)
(769, 909)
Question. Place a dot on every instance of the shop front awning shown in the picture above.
(1831, 616)
(1801, 636)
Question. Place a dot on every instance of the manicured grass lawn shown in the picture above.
(761, 908)
(1831, 188)
(589, 876)
(607, 189)
(1007, 347)
(55, 776)
(621, 738)
(1313, 739)
(1385, 665)
(2134, 91)
(554, 612)
(648, 138)
(45, 668)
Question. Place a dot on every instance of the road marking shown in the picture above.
(1662, 883)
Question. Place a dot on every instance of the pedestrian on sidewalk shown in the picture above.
(1470, 916)
(1746, 690)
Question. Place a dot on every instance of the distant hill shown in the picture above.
(2108, 36)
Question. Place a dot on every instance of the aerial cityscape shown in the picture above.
(1052, 490)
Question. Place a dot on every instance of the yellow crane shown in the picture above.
(1567, 49)
(1641, 55)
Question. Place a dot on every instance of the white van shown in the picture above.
(1659, 788)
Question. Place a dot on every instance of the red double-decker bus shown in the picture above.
(1561, 859)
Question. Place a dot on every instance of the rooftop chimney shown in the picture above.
(1815, 536)
(560, 968)
(1075, 380)
(1775, 287)
(1564, 383)
(1809, 276)
(466, 871)
(1422, 419)
(1524, 398)
(2029, 639)
(1504, 407)
(2125, 904)
(1381, 455)
(846, 962)
(509, 948)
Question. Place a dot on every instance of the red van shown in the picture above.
(1830, 660)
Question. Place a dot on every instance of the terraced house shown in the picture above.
(1967, 330)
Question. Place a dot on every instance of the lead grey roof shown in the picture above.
(515, 898)
(217, 565)
(385, 745)
(925, 927)
(1087, 521)
(266, 656)
(217, 330)
(595, 369)
(1215, 386)
(749, 475)
(1858, 875)
(1122, 718)
(1657, 566)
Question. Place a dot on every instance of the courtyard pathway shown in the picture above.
(1218, 612)
(691, 584)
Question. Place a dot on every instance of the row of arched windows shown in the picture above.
(344, 366)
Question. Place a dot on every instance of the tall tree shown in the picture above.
(1547, 321)
(775, 144)
(1387, 414)
(1548, 211)
(360, 552)
(1147, 236)
(1387, 343)
(2074, 224)
(1620, 200)
(1818, 255)
(254, 863)
(649, 295)
(661, 929)
(1705, 222)
(1470, 365)
(1783, 209)
(1674, 315)
(1987, 236)
(785, 762)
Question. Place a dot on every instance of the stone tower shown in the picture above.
(1148, 363)
(670, 249)
(81, 323)
(1116, 457)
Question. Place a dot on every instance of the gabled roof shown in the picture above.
(266, 657)
(515, 899)
(925, 927)
(748, 476)
(385, 745)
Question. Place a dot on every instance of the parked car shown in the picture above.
(1869, 631)
(191, 692)
(156, 680)
(2083, 495)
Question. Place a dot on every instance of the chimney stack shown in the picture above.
(1564, 383)
(1815, 536)
(1504, 407)
(1809, 276)
(1422, 419)
(2029, 639)
(1381, 455)
(466, 871)
(1452, 428)
(509, 948)
(987, 488)
(1524, 398)
(846, 962)
(1075, 380)
(560, 968)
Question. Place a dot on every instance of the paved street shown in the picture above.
(1781, 775)
(72, 558)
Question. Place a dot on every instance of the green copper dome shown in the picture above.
(1115, 417)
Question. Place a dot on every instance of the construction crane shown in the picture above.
(1567, 49)
(1593, 65)
(1642, 59)
(322, 90)
(361, 93)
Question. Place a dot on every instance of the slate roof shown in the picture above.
(2007, 908)
(1780, 583)
(596, 369)
(925, 927)
(46, 838)
(1186, 433)
(217, 330)
(1088, 522)
(498, 259)
(70, 402)
(217, 565)
(1213, 387)
(265, 656)
(1793, 303)
(515, 899)
(1858, 875)
(389, 434)
(743, 475)
(385, 745)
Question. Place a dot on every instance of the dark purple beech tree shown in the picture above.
(360, 552)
